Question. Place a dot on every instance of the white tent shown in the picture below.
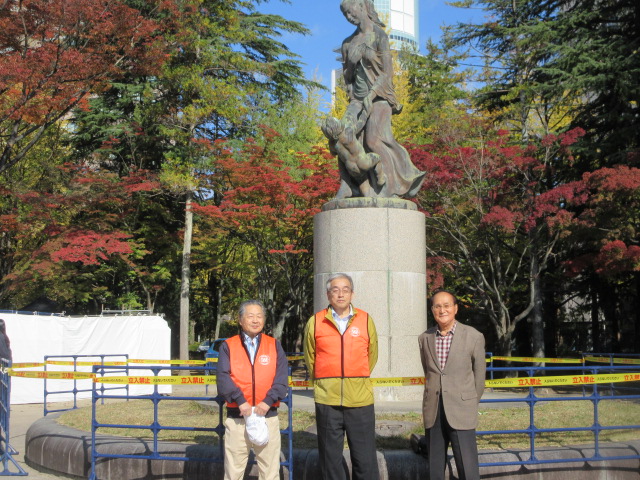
(146, 337)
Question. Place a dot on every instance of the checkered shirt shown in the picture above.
(443, 345)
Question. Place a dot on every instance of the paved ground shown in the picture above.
(22, 416)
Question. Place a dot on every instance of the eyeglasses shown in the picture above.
(445, 306)
(337, 291)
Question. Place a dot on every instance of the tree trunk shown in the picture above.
(550, 313)
(218, 309)
(636, 302)
(185, 278)
(279, 325)
(607, 295)
(595, 320)
(537, 322)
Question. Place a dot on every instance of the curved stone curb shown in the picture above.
(53, 447)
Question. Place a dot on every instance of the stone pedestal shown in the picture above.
(380, 242)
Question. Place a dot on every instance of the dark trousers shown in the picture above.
(359, 425)
(464, 446)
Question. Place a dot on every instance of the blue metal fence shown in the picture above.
(531, 398)
(6, 450)
(75, 390)
(155, 427)
(591, 393)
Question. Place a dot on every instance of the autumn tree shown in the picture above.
(266, 212)
(226, 63)
(56, 53)
(498, 221)
(604, 255)
(557, 66)
(85, 245)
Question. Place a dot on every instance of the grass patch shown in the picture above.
(547, 414)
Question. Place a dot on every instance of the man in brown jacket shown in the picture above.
(453, 359)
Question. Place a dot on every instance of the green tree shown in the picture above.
(435, 97)
(593, 52)
(224, 56)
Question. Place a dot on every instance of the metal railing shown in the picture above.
(6, 450)
(77, 384)
(156, 427)
(593, 393)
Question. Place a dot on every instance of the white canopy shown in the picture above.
(34, 336)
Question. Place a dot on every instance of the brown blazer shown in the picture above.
(461, 383)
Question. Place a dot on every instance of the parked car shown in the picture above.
(212, 353)
(213, 350)
(204, 346)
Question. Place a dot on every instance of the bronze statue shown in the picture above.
(371, 162)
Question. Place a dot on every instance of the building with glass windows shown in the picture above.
(401, 20)
(402, 17)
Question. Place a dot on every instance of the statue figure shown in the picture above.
(371, 162)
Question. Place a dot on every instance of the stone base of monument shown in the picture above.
(54, 448)
(380, 242)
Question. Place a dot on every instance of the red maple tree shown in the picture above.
(267, 207)
(55, 53)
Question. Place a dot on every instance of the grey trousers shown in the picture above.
(464, 446)
(359, 425)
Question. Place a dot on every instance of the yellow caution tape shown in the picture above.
(27, 365)
(538, 359)
(83, 364)
(55, 375)
(169, 362)
(376, 382)
(137, 361)
(295, 357)
(563, 380)
(503, 382)
(300, 383)
(624, 361)
(174, 380)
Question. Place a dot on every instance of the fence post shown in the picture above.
(6, 450)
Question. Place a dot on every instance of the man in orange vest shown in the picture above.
(340, 350)
(252, 375)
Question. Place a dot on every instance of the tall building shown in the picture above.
(402, 17)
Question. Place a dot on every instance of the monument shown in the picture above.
(370, 230)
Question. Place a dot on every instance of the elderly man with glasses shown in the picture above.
(340, 350)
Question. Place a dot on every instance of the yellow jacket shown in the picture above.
(345, 392)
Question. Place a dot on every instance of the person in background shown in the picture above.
(453, 359)
(252, 375)
(5, 344)
(340, 350)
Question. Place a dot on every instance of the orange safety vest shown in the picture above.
(256, 379)
(342, 356)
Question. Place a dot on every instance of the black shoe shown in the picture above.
(419, 444)
(414, 440)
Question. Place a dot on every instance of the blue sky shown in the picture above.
(329, 27)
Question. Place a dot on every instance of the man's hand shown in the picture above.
(262, 409)
(245, 409)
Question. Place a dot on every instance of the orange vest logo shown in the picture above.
(355, 332)
(264, 359)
